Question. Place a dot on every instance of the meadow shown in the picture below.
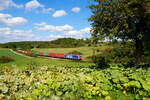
(21, 62)
(7, 52)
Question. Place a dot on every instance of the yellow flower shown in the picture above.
(124, 92)
(90, 85)
(105, 93)
(107, 98)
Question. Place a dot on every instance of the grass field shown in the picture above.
(21, 62)
(7, 52)
(86, 51)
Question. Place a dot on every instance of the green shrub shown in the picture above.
(5, 59)
(75, 52)
(123, 55)
(31, 55)
(32, 66)
(101, 61)
(146, 57)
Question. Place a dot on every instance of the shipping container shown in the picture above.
(60, 55)
(40, 53)
(28, 52)
(54, 55)
(35, 52)
(51, 54)
(45, 54)
(19, 50)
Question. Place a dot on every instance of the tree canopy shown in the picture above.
(122, 19)
(59, 43)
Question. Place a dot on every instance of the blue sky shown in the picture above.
(43, 20)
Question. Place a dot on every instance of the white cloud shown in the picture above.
(48, 38)
(5, 31)
(5, 4)
(17, 21)
(54, 37)
(50, 28)
(47, 10)
(65, 31)
(31, 5)
(40, 24)
(59, 13)
(85, 30)
(4, 15)
(22, 33)
(7, 34)
(76, 9)
(8, 20)
(78, 34)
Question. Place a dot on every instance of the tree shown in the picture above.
(122, 19)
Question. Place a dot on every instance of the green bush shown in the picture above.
(123, 55)
(75, 52)
(5, 59)
(101, 61)
(146, 57)
(31, 55)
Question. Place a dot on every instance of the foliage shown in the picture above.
(31, 55)
(62, 42)
(75, 52)
(66, 83)
(68, 42)
(123, 55)
(101, 61)
(5, 59)
(122, 19)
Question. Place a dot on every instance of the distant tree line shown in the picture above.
(59, 43)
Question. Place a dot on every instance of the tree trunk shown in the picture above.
(138, 51)
(138, 59)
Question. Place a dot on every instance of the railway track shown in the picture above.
(54, 58)
(19, 54)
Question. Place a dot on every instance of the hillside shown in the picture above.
(62, 42)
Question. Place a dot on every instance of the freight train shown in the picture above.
(54, 55)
